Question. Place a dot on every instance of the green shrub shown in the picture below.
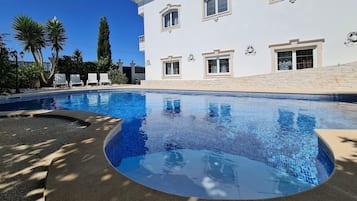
(117, 77)
(7, 70)
(29, 75)
(7, 77)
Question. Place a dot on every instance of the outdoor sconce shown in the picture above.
(351, 39)
(191, 57)
(250, 51)
(148, 63)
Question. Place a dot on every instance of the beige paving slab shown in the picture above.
(343, 143)
(27, 146)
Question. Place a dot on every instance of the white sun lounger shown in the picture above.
(75, 79)
(92, 79)
(60, 79)
(104, 79)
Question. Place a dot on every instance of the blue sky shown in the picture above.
(81, 20)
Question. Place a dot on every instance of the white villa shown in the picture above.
(208, 39)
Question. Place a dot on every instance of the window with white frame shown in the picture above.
(171, 67)
(170, 19)
(285, 60)
(216, 7)
(304, 59)
(296, 54)
(218, 63)
(295, 59)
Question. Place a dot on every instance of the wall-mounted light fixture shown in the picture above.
(191, 57)
(148, 63)
(351, 39)
(250, 51)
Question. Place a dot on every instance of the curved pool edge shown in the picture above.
(326, 148)
(114, 186)
(96, 179)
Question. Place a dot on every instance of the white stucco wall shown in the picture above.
(252, 22)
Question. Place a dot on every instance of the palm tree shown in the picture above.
(77, 56)
(55, 37)
(77, 59)
(32, 35)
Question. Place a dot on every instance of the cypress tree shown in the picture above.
(103, 49)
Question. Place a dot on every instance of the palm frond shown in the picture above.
(56, 34)
(29, 32)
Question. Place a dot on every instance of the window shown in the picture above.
(304, 59)
(214, 8)
(172, 67)
(285, 60)
(170, 19)
(222, 6)
(218, 63)
(296, 55)
(210, 7)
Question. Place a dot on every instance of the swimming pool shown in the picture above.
(214, 145)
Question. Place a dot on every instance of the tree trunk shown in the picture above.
(34, 56)
(54, 65)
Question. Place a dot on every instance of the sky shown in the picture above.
(81, 21)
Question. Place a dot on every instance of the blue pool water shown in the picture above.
(218, 146)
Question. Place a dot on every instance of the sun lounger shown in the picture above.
(60, 79)
(75, 79)
(104, 79)
(92, 79)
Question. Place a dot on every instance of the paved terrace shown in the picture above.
(58, 155)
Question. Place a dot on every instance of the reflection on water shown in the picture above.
(220, 169)
(219, 113)
(173, 158)
(208, 174)
(172, 107)
(306, 123)
(214, 146)
(301, 149)
(286, 120)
